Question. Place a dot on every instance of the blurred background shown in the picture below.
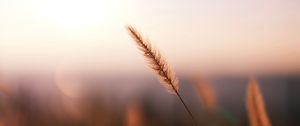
(72, 62)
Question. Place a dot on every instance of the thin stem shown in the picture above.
(186, 108)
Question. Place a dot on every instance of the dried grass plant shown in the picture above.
(255, 105)
(206, 94)
(134, 116)
(159, 65)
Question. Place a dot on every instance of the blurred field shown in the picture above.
(34, 100)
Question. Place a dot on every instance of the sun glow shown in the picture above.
(77, 13)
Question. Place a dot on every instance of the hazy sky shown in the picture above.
(206, 36)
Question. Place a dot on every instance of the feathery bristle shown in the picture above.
(156, 62)
(207, 95)
(255, 105)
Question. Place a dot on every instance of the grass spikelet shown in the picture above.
(206, 94)
(156, 62)
(159, 65)
(134, 116)
(255, 105)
